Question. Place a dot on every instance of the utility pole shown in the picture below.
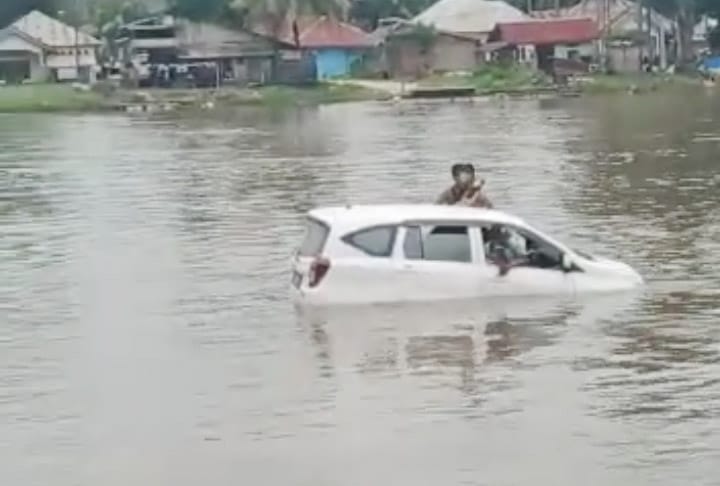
(76, 24)
(640, 38)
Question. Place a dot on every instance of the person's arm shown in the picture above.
(479, 200)
(445, 197)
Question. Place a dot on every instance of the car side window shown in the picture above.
(444, 243)
(377, 241)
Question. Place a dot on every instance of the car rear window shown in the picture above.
(316, 234)
(377, 241)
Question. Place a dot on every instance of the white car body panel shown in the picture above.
(355, 277)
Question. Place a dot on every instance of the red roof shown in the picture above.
(321, 32)
(547, 32)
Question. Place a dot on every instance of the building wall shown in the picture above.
(14, 66)
(334, 63)
(624, 59)
(454, 54)
(583, 50)
(405, 57)
(16, 51)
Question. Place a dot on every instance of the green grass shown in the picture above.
(493, 78)
(279, 96)
(63, 98)
(46, 98)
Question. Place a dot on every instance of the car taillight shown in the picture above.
(318, 269)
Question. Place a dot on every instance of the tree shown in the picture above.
(369, 12)
(274, 14)
(10, 10)
(686, 13)
(200, 9)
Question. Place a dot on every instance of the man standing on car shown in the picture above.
(467, 190)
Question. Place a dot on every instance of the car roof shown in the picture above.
(375, 215)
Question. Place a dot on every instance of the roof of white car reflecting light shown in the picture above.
(399, 213)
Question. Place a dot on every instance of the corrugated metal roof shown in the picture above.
(323, 31)
(622, 17)
(547, 32)
(469, 15)
(51, 32)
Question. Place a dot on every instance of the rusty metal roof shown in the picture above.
(547, 32)
(321, 32)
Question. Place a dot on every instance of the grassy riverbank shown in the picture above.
(45, 98)
(493, 79)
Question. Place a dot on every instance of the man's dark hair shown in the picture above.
(468, 168)
(456, 169)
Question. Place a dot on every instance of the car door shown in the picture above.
(534, 278)
(439, 261)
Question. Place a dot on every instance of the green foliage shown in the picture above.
(200, 9)
(10, 10)
(46, 98)
(513, 76)
(276, 12)
(369, 12)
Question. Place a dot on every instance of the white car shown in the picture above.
(401, 253)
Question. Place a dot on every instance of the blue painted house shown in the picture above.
(335, 44)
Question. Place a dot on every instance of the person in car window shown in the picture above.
(500, 250)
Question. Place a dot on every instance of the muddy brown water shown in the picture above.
(146, 337)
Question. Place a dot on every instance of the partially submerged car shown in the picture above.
(399, 253)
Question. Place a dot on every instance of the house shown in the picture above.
(336, 46)
(469, 18)
(413, 51)
(545, 44)
(38, 48)
(628, 39)
(166, 51)
(701, 34)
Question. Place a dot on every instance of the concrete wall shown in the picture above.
(405, 57)
(583, 50)
(624, 59)
(454, 54)
(13, 65)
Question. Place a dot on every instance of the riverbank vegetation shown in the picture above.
(65, 98)
(492, 78)
(47, 98)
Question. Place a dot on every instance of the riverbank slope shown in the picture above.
(43, 98)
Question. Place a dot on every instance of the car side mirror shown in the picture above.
(566, 263)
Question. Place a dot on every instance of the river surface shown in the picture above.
(146, 337)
